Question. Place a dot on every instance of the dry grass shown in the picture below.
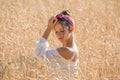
(97, 33)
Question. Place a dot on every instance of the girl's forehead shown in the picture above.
(60, 27)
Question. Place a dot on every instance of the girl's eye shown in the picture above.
(62, 31)
(59, 31)
(56, 31)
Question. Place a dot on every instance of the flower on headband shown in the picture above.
(59, 15)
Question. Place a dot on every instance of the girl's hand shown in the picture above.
(51, 23)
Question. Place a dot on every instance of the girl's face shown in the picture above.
(62, 32)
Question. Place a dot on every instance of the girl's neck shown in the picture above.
(69, 42)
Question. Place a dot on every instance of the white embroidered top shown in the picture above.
(64, 69)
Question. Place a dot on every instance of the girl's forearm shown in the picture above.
(46, 33)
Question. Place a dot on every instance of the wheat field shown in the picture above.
(97, 35)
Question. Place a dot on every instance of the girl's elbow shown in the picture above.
(38, 53)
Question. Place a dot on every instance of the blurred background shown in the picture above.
(97, 34)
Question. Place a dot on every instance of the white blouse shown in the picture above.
(64, 69)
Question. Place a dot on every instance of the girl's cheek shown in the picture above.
(65, 36)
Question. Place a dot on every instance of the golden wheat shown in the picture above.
(97, 33)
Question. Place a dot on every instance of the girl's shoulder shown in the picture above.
(67, 52)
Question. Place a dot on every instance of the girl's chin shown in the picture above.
(61, 40)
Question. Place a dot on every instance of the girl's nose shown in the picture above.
(59, 33)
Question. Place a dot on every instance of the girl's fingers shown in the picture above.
(54, 20)
(51, 18)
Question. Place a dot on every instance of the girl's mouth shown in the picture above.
(60, 38)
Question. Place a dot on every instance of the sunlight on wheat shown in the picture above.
(97, 34)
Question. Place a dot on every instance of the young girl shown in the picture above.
(62, 60)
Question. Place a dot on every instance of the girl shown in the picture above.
(64, 57)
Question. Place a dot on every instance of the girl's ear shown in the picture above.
(71, 29)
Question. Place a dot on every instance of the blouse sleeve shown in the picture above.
(42, 51)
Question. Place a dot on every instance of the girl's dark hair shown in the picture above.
(64, 22)
(66, 12)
